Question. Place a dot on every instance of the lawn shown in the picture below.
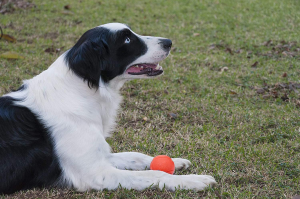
(229, 100)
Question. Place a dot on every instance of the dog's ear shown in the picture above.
(89, 58)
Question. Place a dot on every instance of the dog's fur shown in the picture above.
(53, 129)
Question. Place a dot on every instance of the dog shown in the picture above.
(53, 129)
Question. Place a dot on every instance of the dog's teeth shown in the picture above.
(142, 66)
(157, 67)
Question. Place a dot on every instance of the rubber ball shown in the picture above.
(163, 163)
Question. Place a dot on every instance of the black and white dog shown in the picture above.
(53, 129)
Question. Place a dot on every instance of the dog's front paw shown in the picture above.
(181, 163)
(187, 182)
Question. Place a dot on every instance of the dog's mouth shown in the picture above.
(145, 69)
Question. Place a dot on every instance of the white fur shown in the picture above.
(81, 118)
(114, 26)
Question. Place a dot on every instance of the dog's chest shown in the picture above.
(108, 111)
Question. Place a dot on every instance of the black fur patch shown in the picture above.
(103, 53)
(27, 157)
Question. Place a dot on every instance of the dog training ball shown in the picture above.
(163, 163)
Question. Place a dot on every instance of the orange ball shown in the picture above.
(163, 163)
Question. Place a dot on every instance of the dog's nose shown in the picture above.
(166, 44)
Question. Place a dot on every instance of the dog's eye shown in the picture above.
(127, 40)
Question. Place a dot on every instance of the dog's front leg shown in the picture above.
(139, 180)
(85, 160)
(139, 161)
(99, 174)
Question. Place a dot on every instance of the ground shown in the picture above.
(228, 101)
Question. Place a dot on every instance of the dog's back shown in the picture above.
(27, 158)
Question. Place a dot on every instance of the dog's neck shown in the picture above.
(58, 90)
(62, 71)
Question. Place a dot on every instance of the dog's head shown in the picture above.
(114, 50)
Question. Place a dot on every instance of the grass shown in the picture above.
(235, 120)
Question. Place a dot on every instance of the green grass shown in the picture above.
(248, 141)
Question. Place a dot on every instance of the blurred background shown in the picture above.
(228, 101)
